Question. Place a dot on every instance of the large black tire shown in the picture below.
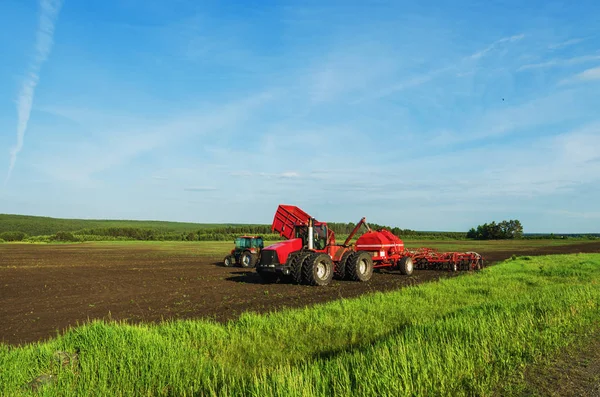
(268, 277)
(229, 261)
(359, 266)
(247, 259)
(406, 266)
(340, 267)
(317, 270)
(296, 262)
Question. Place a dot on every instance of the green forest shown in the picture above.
(46, 229)
(40, 229)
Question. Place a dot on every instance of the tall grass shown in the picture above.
(459, 336)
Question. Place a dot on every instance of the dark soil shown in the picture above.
(45, 289)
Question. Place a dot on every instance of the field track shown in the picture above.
(44, 289)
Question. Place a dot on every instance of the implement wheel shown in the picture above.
(405, 264)
(452, 266)
(317, 270)
(359, 266)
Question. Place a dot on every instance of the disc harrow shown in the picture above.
(429, 258)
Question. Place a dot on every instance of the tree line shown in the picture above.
(504, 230)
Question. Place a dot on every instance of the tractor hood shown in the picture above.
(284, 248)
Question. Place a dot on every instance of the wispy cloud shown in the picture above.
(49, 10)
(411, 82)
(117, 146)
(200, 189)
(511, 39)
(560, 62)
(566, 43)
(418, 80)
(585, 76)
(590, 74)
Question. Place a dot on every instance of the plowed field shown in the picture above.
(45, 289)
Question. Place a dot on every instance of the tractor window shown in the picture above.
(320, 237)
(301, 232)
(257, 242)
(242, 243)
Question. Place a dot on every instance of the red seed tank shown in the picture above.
(383, 244)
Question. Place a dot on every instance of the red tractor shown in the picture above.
(311, 256)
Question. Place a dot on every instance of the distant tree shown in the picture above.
(504, 230)
(13, 236)
(64, 236)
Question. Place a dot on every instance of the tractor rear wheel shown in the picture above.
(247, 259)
(228, 261)
(340, 267)
(360, 266)
(405, 264)
(296, 261)
(317, 270)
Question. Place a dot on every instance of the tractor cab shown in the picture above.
(253, 244)
(320, 235)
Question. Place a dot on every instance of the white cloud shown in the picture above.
(520, 118)
(411, 82)
(585, 76)
(49, 10)
(494, 45)
(589, 74)
(566, 43)
(417, 80)
(348, 70)
(289, 175)
(200, 189)
(560, 62)
(82, 160)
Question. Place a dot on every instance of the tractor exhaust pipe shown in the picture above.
(311, 241)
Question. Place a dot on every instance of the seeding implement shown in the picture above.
(427, 258)
(310, 255)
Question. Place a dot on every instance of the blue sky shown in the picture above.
(425, 115)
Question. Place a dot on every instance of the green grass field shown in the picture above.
(461, 336)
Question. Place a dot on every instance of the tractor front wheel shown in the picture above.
(318, 270)
(359, 266)
(228, 261)
(247, 260)
(405, 264)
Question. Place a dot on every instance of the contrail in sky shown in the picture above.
(49, 10)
